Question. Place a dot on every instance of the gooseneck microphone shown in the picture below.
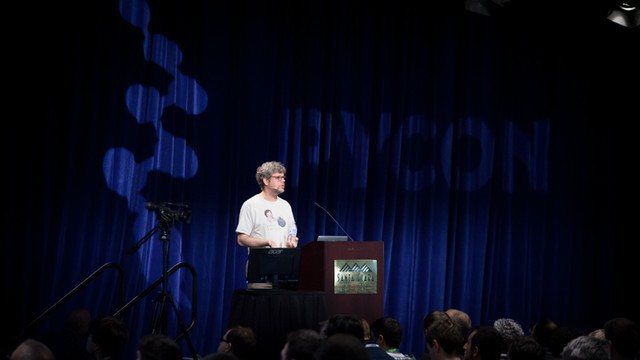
(334, 220)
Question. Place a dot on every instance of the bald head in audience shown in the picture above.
(31, 349)
(460, 318)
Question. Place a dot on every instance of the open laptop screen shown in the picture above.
(280, 266)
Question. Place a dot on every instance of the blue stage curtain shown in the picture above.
(481, 150)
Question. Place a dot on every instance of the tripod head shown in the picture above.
(168, 213)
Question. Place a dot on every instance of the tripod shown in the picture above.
(166, 217)
(159, 324)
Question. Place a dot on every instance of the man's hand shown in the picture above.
(292, 242)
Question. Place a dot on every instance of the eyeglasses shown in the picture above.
(279, 177)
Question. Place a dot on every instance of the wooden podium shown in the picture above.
(350, 273)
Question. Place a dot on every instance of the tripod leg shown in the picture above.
(160, 311)
(183, 328)
(159, 315)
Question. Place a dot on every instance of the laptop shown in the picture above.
(332, 238)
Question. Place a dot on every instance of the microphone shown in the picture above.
(334, 220)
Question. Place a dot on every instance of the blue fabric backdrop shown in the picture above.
(482, 150)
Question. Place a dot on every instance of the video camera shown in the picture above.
(168, 213)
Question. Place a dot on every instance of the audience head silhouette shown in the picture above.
(444, 340)
(342, 346)
(387, 331)
(366, 328)
(344, 324)
(624, 338)
(560, 337)
(598, 333)
(526, 348)
(428, 320)
(301, 344)
(541, 331)
(31, 349)
(352, 324)
(484, 343)
(586, 347)
(158, 347)
(70, 341)
(239, 340)
(432, 316)
(460, 318)
(221, 356)
(108, 337)
(510, 331)
(79, 321)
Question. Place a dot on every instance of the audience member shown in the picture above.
(220, 356)
(510, 331)
(367, 329)
(108, 337)
(444, 340)
(526, 348)
(301, 344)
(341, 346)
(432, 316)
(541, 331)
(484, 343)
(239, 340)
(344, 324)
(585, 347)
(560, 337)
(31, 349)
(158, 347)
(598, 333)
(387, 332)
(352, 324)
(429, 319)
(70, 342)
(461, 319)
(624, 338)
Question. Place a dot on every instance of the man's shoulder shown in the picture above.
(376, 352)
(254, 201)
(401, 356)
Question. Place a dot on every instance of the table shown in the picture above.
(273, 313)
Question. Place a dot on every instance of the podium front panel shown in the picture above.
(317, 273)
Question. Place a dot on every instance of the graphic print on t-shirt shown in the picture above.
(275, 228)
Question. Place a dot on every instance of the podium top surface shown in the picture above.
(271, 292)
(332, 238)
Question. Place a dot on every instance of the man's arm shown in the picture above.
(248, 241)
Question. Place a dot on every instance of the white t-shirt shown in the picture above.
(264, 219)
